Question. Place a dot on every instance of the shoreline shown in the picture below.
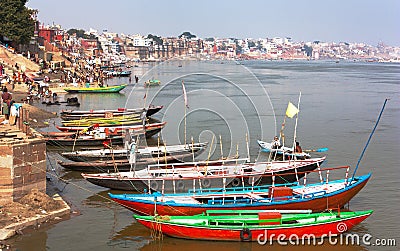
(45, 217)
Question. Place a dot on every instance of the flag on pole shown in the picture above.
(291, 110)
(145, 95)
(184, 95)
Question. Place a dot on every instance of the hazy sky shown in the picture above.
(369, 21)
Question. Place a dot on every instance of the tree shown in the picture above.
(81, 34)
(308, 50)
(187, 35)
(16, 21)
(251, 44)
(156, 39)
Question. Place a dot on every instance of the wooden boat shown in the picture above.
(117, 120)
(149, 151)
(91, 116)
(84, 140)
(151, 129)
(120, 73)
(287, 151)
(317, 197)
(255, 225)
(142, 161)
(152, 82)
(104, 89)
(181, 177)
(79, 114)
(57, 134)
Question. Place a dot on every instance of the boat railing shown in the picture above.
(230, 201)
(196, 163)
(252, 212)
(273, 175)
(234, 200)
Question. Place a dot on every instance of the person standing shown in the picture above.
(6, 97)
(276, 144)
(298, 148)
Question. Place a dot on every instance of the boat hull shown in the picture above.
(256, 234)
(177, 183)
(123, 164)
(109, 89)
(318, 203)
(151, 129)
(77, 114)
(117, 140)
(119, 183)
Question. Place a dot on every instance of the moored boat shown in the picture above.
(150, 129)
(181, 177)
(117, 120)
(84, 140)
(104, 89)
(287, 151)
(79, 114)
(149, 151)
(316, 196)
(142, 161)
(255, 225)
(119, 73)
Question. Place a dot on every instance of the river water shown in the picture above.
(339, 104)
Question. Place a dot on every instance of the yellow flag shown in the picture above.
(291, 110)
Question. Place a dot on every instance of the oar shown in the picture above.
(319, 150)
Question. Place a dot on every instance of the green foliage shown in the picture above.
(156, 39)
(251, 44)
(80, 33)
(16, 21)
(308, 50)
(187, 35)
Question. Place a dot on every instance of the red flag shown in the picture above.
(107, 143)
(145, 95)
(184, 95)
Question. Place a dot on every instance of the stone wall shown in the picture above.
(22, 167)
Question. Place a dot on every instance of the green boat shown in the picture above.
(152, 82)
(106, 89)
(255, 225)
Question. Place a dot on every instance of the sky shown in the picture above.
(353, 21)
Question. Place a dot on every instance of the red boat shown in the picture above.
(151, 129)
(317, 197)
(255, 225)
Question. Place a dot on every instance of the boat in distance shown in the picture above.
(104, 89)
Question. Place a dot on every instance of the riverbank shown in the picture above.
(33, 210)
(36, 208)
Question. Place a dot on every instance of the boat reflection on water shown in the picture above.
(137, 236)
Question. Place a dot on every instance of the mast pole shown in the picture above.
(369, 139)
(295, 128)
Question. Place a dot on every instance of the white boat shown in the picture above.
(287, 151)
(180, 177)
(149, 151)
